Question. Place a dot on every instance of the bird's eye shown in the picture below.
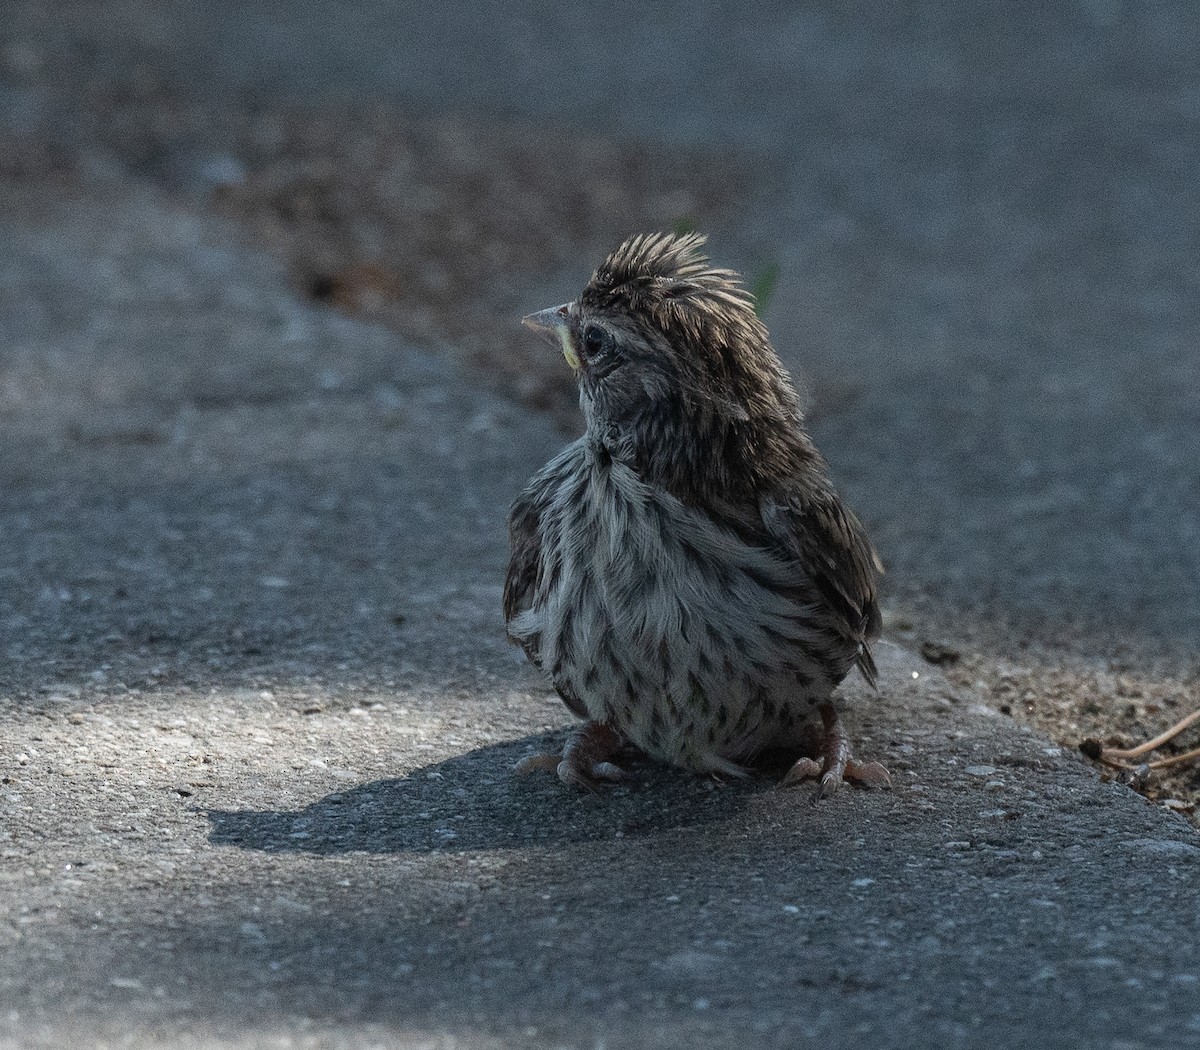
(596, 342)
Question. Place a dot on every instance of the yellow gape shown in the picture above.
(568, 348)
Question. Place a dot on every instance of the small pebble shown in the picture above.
(937, 653)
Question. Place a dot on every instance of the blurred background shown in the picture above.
(973, 227)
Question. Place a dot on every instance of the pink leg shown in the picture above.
(838, 764)
(584, 762)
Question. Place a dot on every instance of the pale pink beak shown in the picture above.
(552, 325)
(548, 322)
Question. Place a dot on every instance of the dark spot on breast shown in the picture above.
(647, 577)
(822, 658)
(685, 619)
(550, 578)
(659, 520)
(695, 558)
(723, 575)
(575, 494)
(656, 719)
(566, 690)
(566, 638)
(664, 657)
(759, 578)
(748, 717)
(777, 636)
(584, 586)
(604, 646)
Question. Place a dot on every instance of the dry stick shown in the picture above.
(1175, 760)
(1116, 756)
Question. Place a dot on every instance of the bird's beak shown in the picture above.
(552, 324)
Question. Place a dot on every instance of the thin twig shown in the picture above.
(1117, 756)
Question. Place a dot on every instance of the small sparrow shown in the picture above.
(685, 572)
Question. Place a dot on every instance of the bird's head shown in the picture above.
(672, 361)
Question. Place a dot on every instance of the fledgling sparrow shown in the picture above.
(685, 572)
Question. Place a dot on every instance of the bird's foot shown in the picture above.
(837, 763)
(585, 758)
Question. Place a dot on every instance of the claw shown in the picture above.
(532, 763)
(837, 765)
(608, 771)
(574, 777)
(868, 774)
(804, 769)
(830, 782)
(584, 761)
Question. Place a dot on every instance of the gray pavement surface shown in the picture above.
(257, 718)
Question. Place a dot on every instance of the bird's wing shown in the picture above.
(525, 566)
(524, 533)
(525, 530)
(817, 530)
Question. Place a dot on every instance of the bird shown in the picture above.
(685, 572)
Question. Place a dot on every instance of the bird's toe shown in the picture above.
(803, 769)
(534, 763)
(868, 774)
(837, 764)
(608, 771)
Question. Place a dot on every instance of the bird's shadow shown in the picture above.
(476, 801)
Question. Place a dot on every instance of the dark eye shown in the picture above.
(598, 344)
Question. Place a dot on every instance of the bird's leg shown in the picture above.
(1116, 757)
(837, 763)
(584, 761)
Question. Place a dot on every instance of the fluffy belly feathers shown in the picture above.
(697, 647)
